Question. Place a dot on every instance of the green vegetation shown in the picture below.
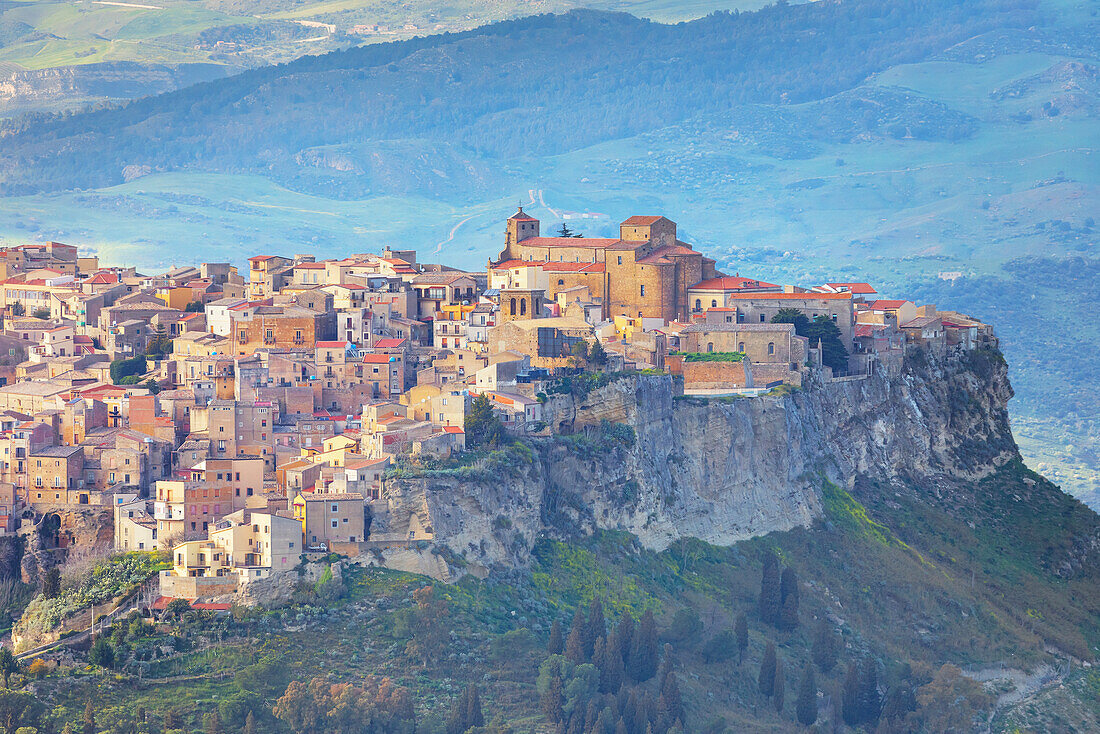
(713, 356)
(872, 620)
(128, 369)
(104, 580)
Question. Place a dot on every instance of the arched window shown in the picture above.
(741, 347)
(561, 282)
(523, 307)
(513, 307)
(713, 303)
(771, 347)
(710, 346)
(698, 304)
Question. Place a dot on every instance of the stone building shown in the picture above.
(760, 308)
(646, 271)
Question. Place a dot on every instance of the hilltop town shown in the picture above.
(244, 421)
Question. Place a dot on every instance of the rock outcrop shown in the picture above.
(721, 470)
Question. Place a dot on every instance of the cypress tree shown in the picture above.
(643, 650)
(250, 724)
(779, 690)
(850, 699)
(574, 644)
(597, 625)
(825, 646)
(670, 704)
(788, 593)
(211, 723)
(553, 700)
(806, 706)
(556, 646)
(741, 630)
(625, 630)
(870, 700)
(770, 599)
(766, 679)
(474, 717)
(620, 728)
(89, 718)
(611, 672)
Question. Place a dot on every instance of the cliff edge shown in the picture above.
(632, 455)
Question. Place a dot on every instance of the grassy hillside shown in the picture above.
(75, 37)
(977, 578)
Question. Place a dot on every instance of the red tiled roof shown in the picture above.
(376, 358)
(596, 242)
(389, 343)
(795, 296)
(102, 279)
(860, 289)
(732, 283)
(522, 216)
(452, 429)
(504, 264)
(309, 266)
(333, 345)
(884, 305)
(640, 220)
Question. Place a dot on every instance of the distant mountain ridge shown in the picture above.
(537, 86)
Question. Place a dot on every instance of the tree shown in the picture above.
(172, 719)
(8, 664)
(89, 718)
(579, 349)
(19, 709)
(870, 699)
(597, 625)
(556, 646)
(770, 592)
(741, 630)
(250, 724)
(792, 316)
(152, 386)
(625, 631)
(41, 313)
(322, 707)
(102, 654)
(564, 231)
(597, 355)
(779, 687)
(951, 702)
(482, 426)
(850, 698)
(195, 307)
(833, 353)
(766, 679)
(821, 330)
(643, 649)
(465, 712)
(788, 593)
(611, 664)
(211, 724)
(17, 309)
(574, 644)
(552, 701)
(806, 705)
(825, 646)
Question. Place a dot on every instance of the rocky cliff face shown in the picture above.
(71, 86)
(718, 470)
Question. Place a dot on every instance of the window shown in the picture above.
(334, 508)
(771, 347)
(513, 307)
(335, 524)
(620, 259)
(710, 346)
(741, 347)
(642, 290)
(698, 304)
(522, 307)
(761, 318)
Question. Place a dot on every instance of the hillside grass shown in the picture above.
(905, 575)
